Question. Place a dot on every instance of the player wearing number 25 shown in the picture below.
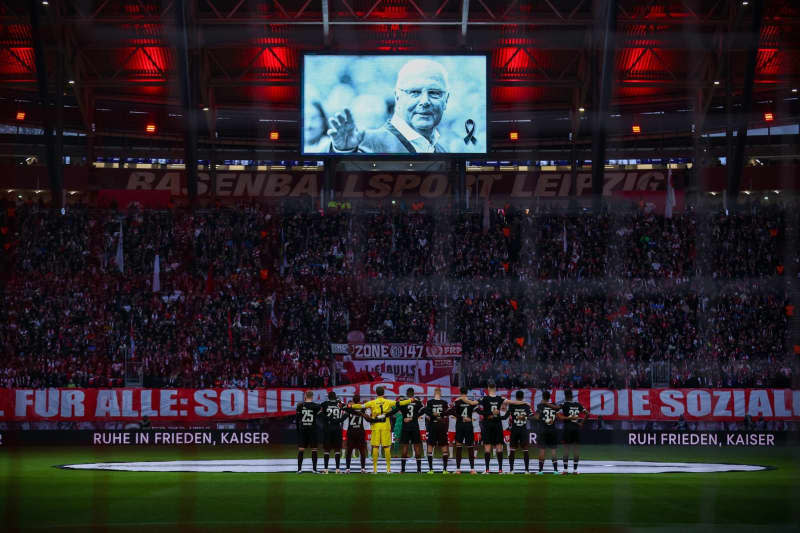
(421, 94)
(382, 426)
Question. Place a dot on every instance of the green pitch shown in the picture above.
(34, 495)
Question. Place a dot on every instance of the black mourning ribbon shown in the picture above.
(469, 127)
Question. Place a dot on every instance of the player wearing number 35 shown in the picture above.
(421, 94)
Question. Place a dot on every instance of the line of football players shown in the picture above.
(493, 409)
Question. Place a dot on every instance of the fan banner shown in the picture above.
(75, 405)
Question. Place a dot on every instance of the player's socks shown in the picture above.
(430, 461)
(458, 458)
(574, 464)
(445, 457)
(527, 460)
(387, 454)
(511, 461)
(375, 455)
(471, 460)
(338, 457)
(326, 457)
(348, 458)
(541, 465)
(403, 465)
(363, 457)
(500, 460)
(487, 456)
(299, 460)
(419, 465)
(555, 465)
(566, 462)
(314, 460)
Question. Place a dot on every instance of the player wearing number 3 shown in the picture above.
(381, 427)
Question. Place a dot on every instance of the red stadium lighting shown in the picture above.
(150, 128)
(636, 129)
(769, 117)
(20, 115)
(513, 135)
(274, 136)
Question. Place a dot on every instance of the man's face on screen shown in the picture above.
(421, 100)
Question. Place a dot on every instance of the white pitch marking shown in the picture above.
(290, 465)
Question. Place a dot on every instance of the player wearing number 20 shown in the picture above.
(381, 427)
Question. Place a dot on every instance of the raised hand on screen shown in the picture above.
(344, 133)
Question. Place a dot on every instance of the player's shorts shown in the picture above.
(548, 438)
(520, 438)
(381, 436)
(437, 435)
(332, 439)
(410, 436)
(307, 437)
(492, 434)
(572, 435)
(356, 439)
(465, 434)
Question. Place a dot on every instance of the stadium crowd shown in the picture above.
(253, 295)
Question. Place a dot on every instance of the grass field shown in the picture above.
(35, 495)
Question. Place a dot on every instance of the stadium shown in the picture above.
(280, 265)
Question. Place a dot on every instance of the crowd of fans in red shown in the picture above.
(253, 296)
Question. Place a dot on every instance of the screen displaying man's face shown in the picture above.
(421, 95)
(394, 104)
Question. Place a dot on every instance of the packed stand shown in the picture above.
(252, 296)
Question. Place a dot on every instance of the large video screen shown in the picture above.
(394, 104)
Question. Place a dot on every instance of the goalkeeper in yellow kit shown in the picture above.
(381, 425)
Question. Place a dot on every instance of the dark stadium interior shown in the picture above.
(177, 272)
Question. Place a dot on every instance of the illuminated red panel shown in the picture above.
(526, 63)
(10, 61)
(519, 96)
(768, 62)
(146, 61)
(274, 60)
(20, 115)
(275, 94)
(769, 117)
(150, 128)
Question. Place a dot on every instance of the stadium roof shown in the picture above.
(121, 63)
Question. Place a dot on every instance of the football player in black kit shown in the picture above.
(332, 418)
(436, 423)
(492, 430)
(546, 413)
(519, 413)
(356, 436)
(306, 421)
(573, 414)
(409, 433)
(462, 409)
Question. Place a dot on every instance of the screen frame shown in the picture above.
(399, 156)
